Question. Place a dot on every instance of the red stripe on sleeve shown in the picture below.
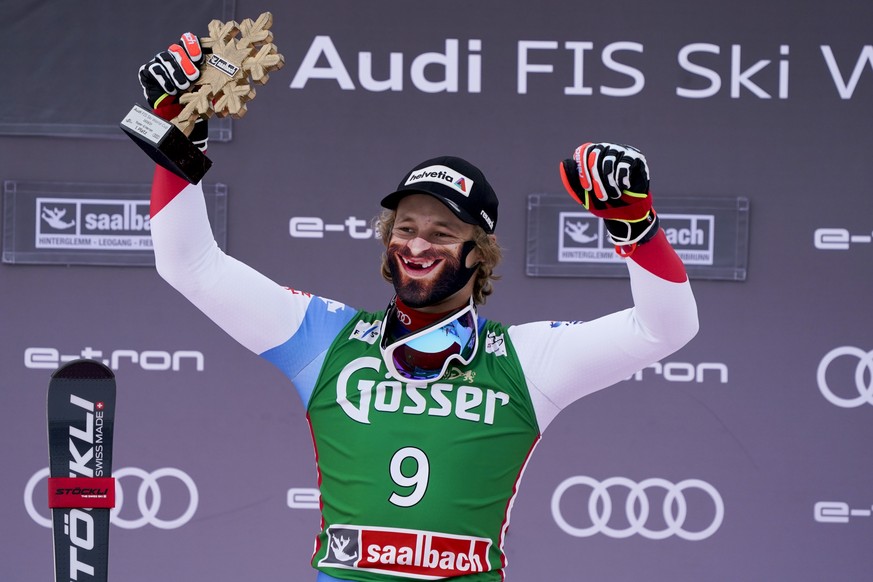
(659, 258)
(165, 186)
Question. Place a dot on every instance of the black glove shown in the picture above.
(612, 182)
(170, 73)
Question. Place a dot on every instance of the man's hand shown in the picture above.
(170, 73)
(612, 182)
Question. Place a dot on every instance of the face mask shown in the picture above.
(416, 293)
(426, 354)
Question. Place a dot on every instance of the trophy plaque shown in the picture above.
(236, 55)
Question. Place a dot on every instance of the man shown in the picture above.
(423, 416)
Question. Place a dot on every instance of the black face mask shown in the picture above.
(417, 294)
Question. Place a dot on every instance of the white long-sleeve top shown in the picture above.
(561, 361)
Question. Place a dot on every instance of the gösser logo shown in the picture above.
(637, 508)
(148, 489)
(864, 367)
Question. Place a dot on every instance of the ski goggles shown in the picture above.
(426, 354)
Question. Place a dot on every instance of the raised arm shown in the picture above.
(565, 361)
(254, 310)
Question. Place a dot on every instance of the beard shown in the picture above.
(417, 293)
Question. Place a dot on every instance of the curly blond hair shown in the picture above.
(489, 253)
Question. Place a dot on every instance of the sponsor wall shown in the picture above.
(741, 457)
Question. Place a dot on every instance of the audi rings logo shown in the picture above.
(863, 376)
(404, 317)
(148, 498)
(638, 518)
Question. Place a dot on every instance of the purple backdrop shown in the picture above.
(758, 428)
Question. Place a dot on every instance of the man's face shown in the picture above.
(424, 255)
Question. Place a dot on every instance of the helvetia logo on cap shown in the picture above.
(442, 175)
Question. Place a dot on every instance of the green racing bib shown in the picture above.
(417, 480)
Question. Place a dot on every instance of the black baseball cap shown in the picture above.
(456, 183)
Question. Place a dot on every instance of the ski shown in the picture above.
(81, 492)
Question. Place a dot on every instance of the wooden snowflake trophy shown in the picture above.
(224, 88)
